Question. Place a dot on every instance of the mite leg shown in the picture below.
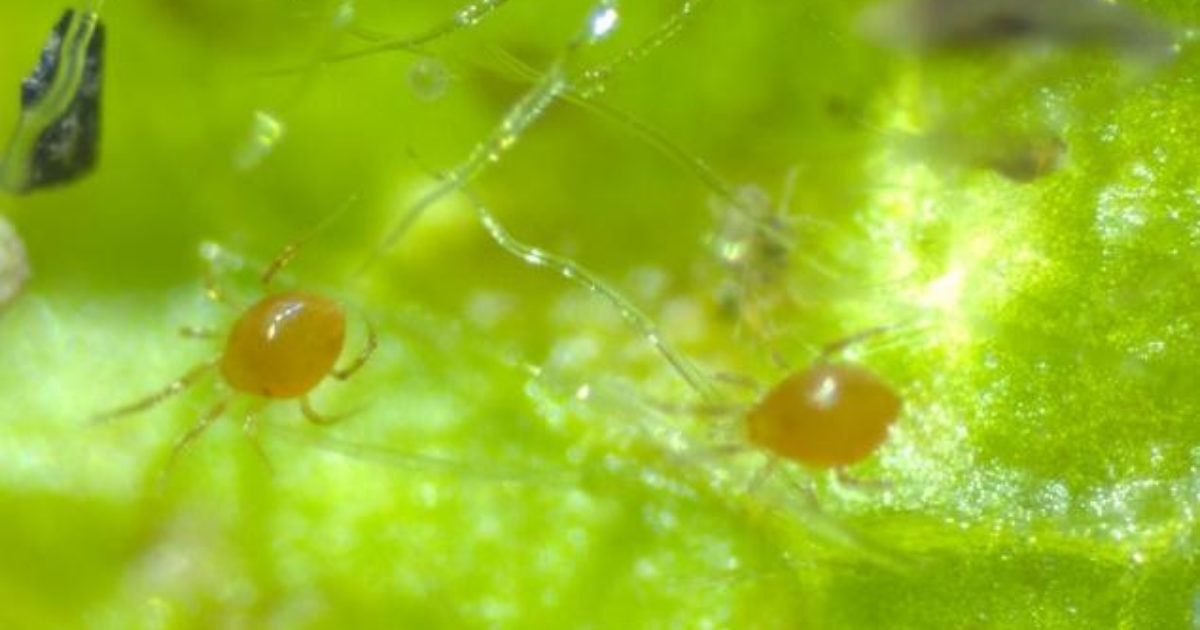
(250, 430)
(317, 418)
(844, 479)
(212, 253)
(372, 342)
(895, 334)
(289, 251)
(761, 476)
(191, 377)
(193, 433)
(197, 332)
(742, 381)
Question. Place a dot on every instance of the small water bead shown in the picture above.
(266, 132)
(603, 21)
(428, 78)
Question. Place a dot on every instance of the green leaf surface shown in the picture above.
(516, 456)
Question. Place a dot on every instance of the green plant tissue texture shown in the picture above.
(515, 455)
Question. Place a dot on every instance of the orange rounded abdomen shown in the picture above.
(284, 345)
(826, 416)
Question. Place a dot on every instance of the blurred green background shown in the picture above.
(511, 464)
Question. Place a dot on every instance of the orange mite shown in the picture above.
(826, 416)
(284, 345)
(829, 415)
(280, 348)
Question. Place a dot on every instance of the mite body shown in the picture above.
(825, 416)
(284, 345)
(280, 348)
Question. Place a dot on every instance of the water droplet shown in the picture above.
(428, 78)
(344, 15)
(472, 13)
(266, 131)
(602, 21)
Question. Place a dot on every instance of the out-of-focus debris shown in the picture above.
(58, 134)
(753, 247)
(959, 25)
(266, 132)
(1024, 159)
(14, 267)
(1018, 157)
